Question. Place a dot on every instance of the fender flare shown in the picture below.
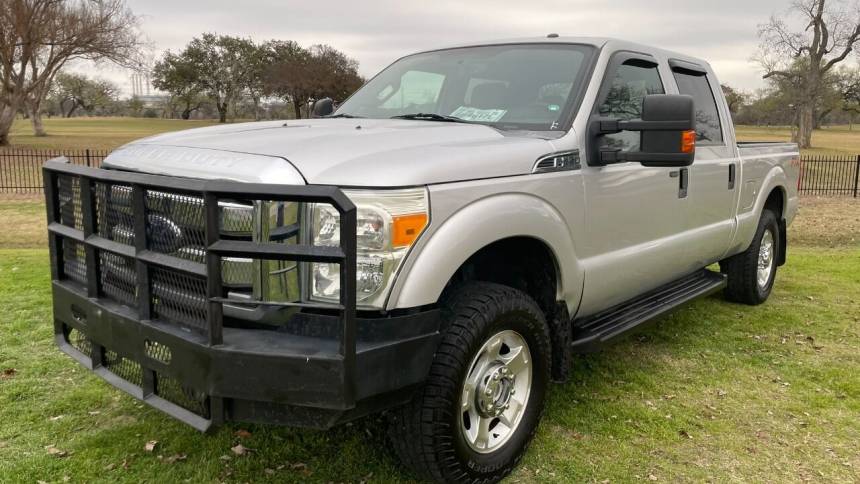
(429, 268)
(748, 221)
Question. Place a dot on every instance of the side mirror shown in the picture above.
(323, 107)
(668, 132)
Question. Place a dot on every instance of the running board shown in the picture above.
(593, 332)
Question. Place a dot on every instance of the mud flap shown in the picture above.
(783, 243)
(562, 337)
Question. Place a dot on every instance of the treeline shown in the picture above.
(214, 76)
(837, 103)
(235, 74)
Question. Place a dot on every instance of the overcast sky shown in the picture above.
(375, 32)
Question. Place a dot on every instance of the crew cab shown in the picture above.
(439, 248)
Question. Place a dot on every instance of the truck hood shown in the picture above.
(344, 152)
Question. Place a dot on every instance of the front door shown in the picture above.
(634, 213)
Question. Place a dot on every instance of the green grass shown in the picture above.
(95, 133)
(715, 391)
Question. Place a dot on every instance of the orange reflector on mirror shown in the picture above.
(688, 141)
(407, 228)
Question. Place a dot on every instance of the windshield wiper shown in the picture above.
(343, 115)
(432, 117)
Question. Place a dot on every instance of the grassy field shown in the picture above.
(715, 391)
(832, 140)
(95, 133)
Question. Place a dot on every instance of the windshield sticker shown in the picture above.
(479, 115)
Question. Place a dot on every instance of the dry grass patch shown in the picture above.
(826, 222)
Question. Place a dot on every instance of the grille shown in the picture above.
(118, 278)
(179, 298)
(114, 219)
(74, 261)
(69, 197)
(124, 368)
(79, 341)
(174, 392)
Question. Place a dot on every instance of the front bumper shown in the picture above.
(276, 377)
(322, 365)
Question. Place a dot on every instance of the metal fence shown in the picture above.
(829, 176)
(21, 171)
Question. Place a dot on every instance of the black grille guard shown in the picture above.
(83, 236)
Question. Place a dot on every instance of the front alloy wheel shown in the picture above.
(496, 392)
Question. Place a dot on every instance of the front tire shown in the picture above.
(751, 273)
(481, 404)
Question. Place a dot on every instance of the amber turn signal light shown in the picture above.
(406, 229)
(688, 141)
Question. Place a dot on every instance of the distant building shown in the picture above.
(141, 88)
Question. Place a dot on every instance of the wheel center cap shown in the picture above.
(494, 390)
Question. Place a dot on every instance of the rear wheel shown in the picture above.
(483, 399)
(751, 273)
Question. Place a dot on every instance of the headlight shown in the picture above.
(387, 224)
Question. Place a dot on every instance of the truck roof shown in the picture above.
(599, 42)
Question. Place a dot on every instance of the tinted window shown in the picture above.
(708, 130)
(529, 87)
(629, 86)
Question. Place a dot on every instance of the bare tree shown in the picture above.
(39, 37)
(804, 57)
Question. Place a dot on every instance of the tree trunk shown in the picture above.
(72, 109)
(38, 125)
(297, 108)
(222, 112)
(256, 100)
(35, 110)
(805, 122)
(7, 117)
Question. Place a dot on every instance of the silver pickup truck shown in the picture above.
(439, 247)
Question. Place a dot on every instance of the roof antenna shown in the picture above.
(552, 36)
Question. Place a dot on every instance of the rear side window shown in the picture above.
(629, 85)
(708, 130)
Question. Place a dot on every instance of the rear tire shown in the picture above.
(492, 366)
(751, 273)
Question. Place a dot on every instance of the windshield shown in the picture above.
(522, 86)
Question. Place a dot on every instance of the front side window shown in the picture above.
(629, 85)
(519, 86)
(708, 131)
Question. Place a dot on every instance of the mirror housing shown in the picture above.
(322, 107)
(668, 132)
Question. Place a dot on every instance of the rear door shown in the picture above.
(634, 213)
(713, 176)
